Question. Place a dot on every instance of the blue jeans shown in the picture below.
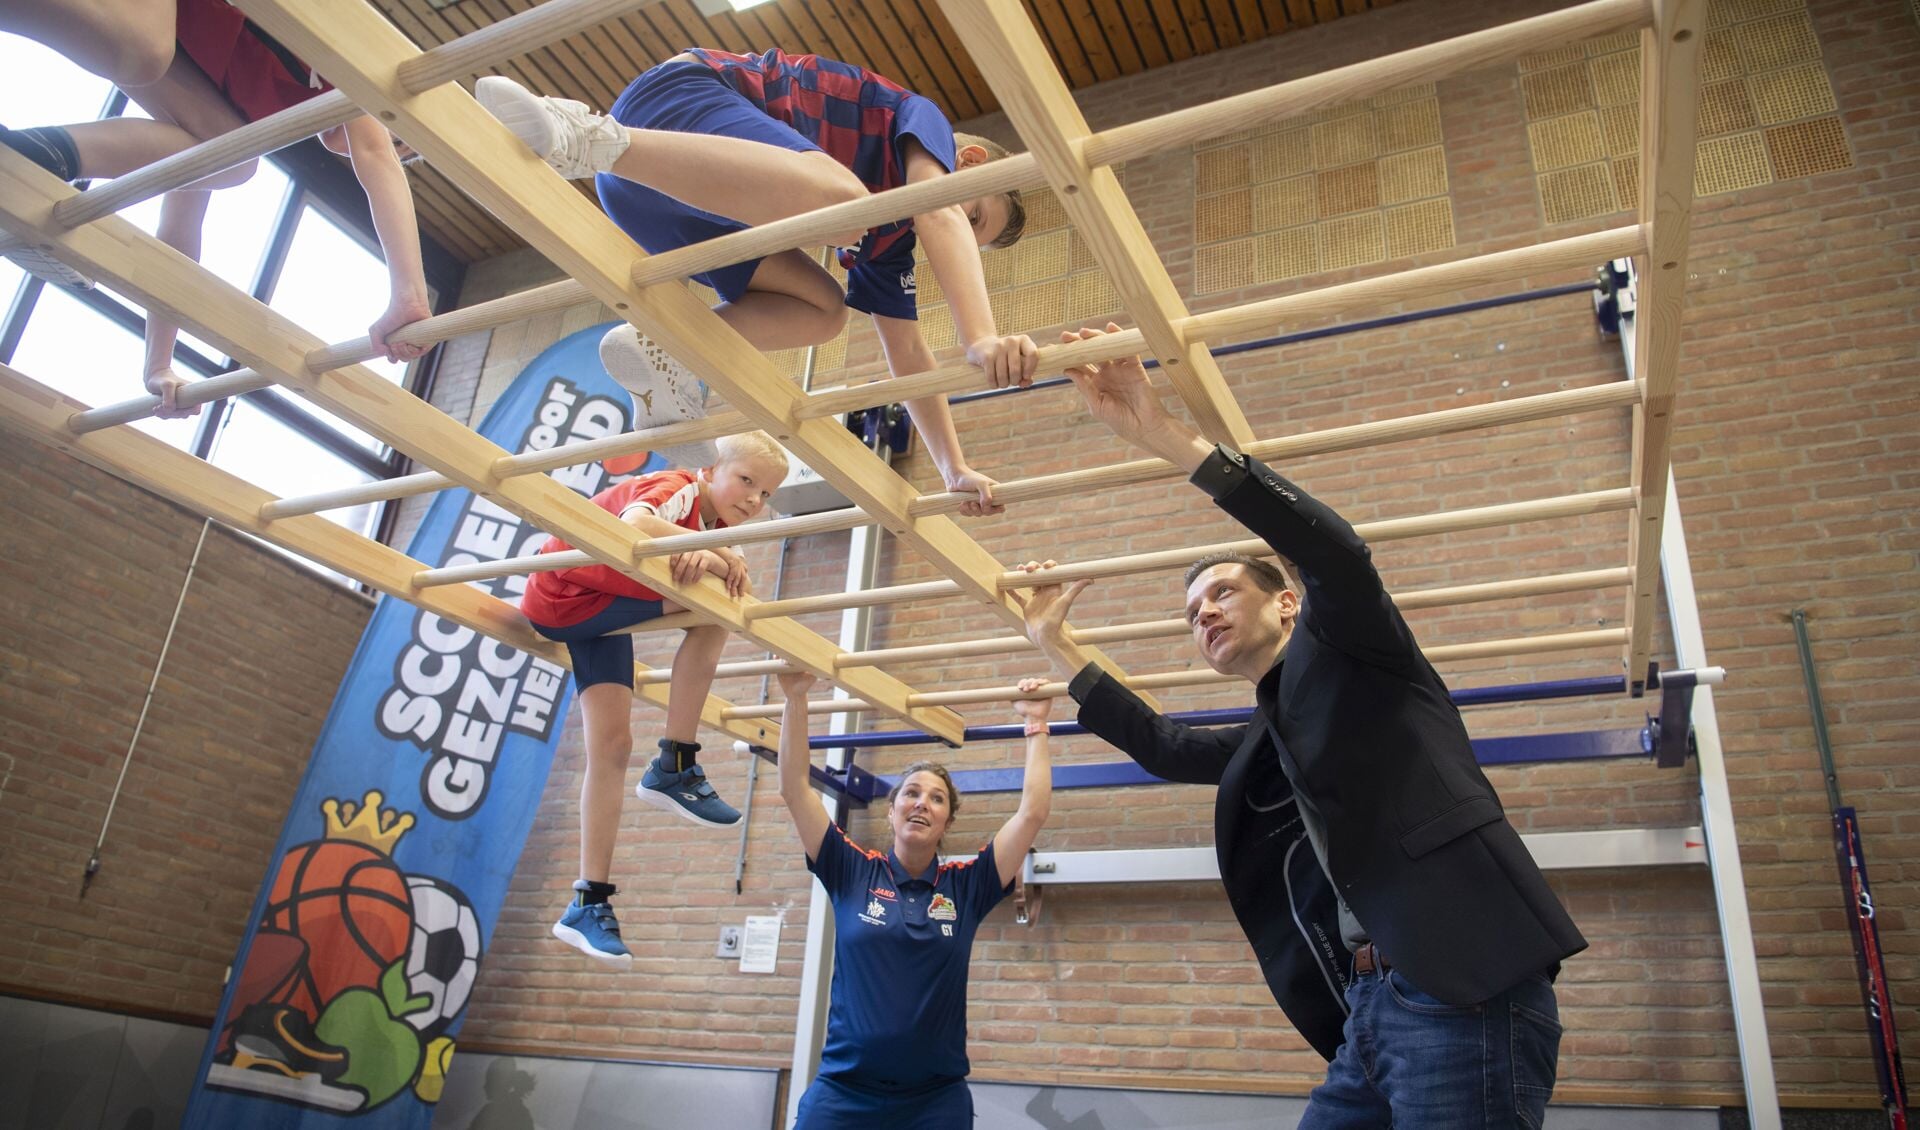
(1409, 1060)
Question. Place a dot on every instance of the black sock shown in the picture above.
(50, 147)
(589, 892)
(676, 757)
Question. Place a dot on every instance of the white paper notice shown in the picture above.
(760, 945)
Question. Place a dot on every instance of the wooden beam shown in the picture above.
(827, 521)
(1575, 253)
(1164, 560)
(158, 277)
(1202, 677)
(1493, 46)
(1162, 629)
(1352, 437)
(463, 57)
(1002, 39)
(39, 413)
(1669, 87)
(195, 393)
(1448, 596)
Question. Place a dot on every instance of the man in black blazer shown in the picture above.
(1396, 915)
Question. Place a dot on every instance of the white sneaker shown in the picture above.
(573, 140)
(44, 266)
(664, 392)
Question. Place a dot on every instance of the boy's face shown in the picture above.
(738, 489)
(988, 218)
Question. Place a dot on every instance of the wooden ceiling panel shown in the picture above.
(910, 41)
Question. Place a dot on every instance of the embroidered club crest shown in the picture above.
(942, 908)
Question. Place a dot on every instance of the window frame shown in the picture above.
(319, 181)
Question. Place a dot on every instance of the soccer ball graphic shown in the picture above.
(443, 956)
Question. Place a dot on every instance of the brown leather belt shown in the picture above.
(1369, 959)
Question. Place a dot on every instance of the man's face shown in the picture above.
(739, 488)
(988, 218)
(1238, 626)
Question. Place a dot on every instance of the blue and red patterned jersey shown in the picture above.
(862, 121)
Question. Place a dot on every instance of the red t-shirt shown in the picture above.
(564, 597)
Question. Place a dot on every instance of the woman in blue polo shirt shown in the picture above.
(896, 1049)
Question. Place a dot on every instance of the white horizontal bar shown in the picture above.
(1553, 851)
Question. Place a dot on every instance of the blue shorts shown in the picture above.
(688, 97)
(597, 656)
(830, 1104)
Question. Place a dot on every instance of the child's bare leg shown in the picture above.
(128, 42)
(729, 176)
(606, 710)
(186, 99)
(791, 302)
(693, 667)
(112, 147)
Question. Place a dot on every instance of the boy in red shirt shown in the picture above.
(587, 608)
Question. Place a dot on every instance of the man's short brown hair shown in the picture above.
(1271, 576)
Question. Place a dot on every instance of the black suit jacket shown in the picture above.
(1355, 718)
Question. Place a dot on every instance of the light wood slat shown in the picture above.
(914, 73)
(157, 277)
(1093, 39)
(1163, 629)
(556, 21)
(498, 171)
(1041, 107)
(562, 55)
(1202, 677)
(1496, 45)
(1669, 86)
(963, 63)
(1162, 560)
(33, 410)
(1095, 481)
(1226, 25)
(956, 99)
(1139, 18)
(1173, 29)
(1053, 31)
(1193, 13)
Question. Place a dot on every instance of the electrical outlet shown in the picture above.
(729, 942)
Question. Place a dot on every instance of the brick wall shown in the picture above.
(93, 568)
(1796, 467)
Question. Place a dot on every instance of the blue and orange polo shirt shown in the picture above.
(898, 1017)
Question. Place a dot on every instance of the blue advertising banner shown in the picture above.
(383, 890)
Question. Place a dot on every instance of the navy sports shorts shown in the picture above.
(688, 97)
(832, 1105)
(597, 656)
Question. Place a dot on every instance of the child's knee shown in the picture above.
(707, 635)
(141, 59)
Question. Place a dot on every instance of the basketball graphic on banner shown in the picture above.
(351, 906)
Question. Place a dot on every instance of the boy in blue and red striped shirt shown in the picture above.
(710, 142)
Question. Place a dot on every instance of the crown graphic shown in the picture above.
(366, 823)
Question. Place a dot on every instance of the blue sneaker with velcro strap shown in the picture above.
(688, 794)
(593, 930)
